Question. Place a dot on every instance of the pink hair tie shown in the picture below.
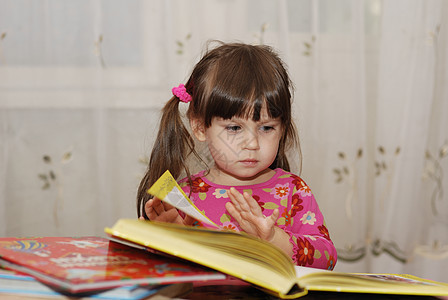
(181, 93)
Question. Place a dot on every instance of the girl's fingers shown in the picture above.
(149, 210)
(252, 204)
(189, 220)
(238, 200)
(274, 217)
(247, 212)
(233, 196)
(157, 206)
(233, 212)
(169, 216)
(246, 203)
(148, 207)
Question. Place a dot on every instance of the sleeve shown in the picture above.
(304, 223)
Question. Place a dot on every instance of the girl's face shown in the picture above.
(242, 149)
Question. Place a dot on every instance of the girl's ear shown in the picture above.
(198, 129)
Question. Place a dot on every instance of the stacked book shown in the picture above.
(92, 267)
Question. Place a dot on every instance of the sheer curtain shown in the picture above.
(410, 206)
(82, 84)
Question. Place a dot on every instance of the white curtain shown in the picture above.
(82, 84)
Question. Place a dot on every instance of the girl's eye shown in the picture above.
(267, 128)
(233, 128)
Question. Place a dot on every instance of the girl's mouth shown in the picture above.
(249, 162)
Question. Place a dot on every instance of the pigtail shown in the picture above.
(171, 148)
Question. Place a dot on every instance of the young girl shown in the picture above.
(239, 104)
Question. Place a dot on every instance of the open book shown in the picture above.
(248, 258)
(259, 262)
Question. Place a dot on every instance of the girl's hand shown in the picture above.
(159, 211)
(247, 212)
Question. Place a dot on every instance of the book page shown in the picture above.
(167, 190)
(324, 280)
(303, 271)
(238, 255)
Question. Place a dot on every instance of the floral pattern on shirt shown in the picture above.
(296, 204)
(308, 218)
(221, 193)
(330, 262)
(280, 191)
(323, 229)
(199, 186)
(305, 252)
(300, 216)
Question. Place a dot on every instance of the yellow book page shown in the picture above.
(320, 280)
(208, 247)
(167, 190)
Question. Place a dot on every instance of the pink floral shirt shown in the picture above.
(300, 216)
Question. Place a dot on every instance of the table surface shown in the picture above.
(221, 292)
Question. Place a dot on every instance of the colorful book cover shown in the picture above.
(94, 263)
(16, 284)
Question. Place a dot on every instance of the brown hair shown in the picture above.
(230, 80)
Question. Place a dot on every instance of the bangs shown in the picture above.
(245, 107)
(242, 88)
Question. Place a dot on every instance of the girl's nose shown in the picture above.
(251, 142)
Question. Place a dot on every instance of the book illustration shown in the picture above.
(27, 246)
(167, 190)
(369, 283)
(392, 278)
(89, 263)
(83, 244)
